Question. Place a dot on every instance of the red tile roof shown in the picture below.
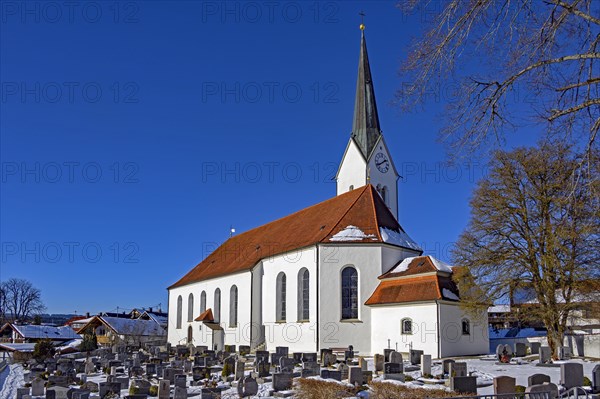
(207, 316)
(362, 207)
(421, 281)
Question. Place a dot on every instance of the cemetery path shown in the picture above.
(10, 380)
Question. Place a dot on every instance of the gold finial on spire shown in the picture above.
(362, 20)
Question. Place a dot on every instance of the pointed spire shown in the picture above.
(365, 127)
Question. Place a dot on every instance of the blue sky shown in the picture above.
(134, 134)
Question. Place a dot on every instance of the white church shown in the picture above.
(341, 272)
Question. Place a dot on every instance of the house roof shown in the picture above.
(358, 216)
(206, 316)
(126, 326)
(416, 279)
(160, 318)
(31, 331)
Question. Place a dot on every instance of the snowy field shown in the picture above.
(11, 379)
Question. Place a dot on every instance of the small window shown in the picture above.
(351, 187)
(217, 312)
(233, 306)
(349, 293)
(179, 310)
(190, 308)
(203, 302)
(303, 295)
(407, 326)
(466, 327)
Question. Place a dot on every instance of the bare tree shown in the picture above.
(20, 299)
(530, 230)
(511, 59)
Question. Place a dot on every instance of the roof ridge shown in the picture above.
(345, 213)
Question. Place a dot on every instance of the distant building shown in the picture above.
(125, 331)
(30, 333)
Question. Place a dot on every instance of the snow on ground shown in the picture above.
(11, 379)
(351, 233)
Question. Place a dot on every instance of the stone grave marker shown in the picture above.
(22, 392)
(263, 369)
(331, 374)
(547, 387)
(393, 371)
(310, 369)
(164, 389)
(180, 380)
(446, 365)
(343, 369)
(386, 354)
(520, 350)
(394, 357)
(537, 379)
(282, 381)
(282, 350)
(37, 387)
(535, 347)
(180, 393)
(545, 355)
(367, 376)
(571, 375)
(504, 384)
(348, 354)
(286, 365)
(247, 386)
(262, 356)
(239, 369)
(415, 356)
(362, 362)
(464, 384)
(109, 387)
(297, 356)
(324, 353)
(457, 369)
(244, 350)
(425, 365)
(309, 357)
(355, 376)
(596, 379)
(57, 392)
(379, 361)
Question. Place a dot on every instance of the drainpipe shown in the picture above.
(317, 300)
(439, 326)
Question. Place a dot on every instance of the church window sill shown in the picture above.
(303, 321)
(350, 321)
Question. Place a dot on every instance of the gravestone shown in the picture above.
(37, 387)
(263, 369)
(457, 369)
(330, 359)
(520, 349)
(395, 357)
(105, 388)
(309, 357)
(200, 373)
(348, 354)
(90, 386)
(362, 362)
(22, 392)
(261, 356)
(355, 376)
(331, 374)
(282, 350)
(286, 365)
(537, 379)
(89, 366)
(504, 353)
(200, 349)
(297, 356)
(143, 386)
(239, 369)
(415, 356)
(425, 365)
(324, 353)
(393, 371)
(596, 379)
(446, 365)
(535, 347)
(247, 387)
(310, 369)
(571, 375)
(386, 354)
(282, 381)
(545, 355)
(547, 387)
(57, 393)
(180, 393)
(229, 362)
(367, 376)
(464, 384)
(343, 369)
(180, 380)
(504, 384)
(150, 369)
(244, 350)
(379, 361)
(164, 389)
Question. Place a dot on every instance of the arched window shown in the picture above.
(303, 295)
(179, 306)
(190, 307)
(280, 302)
(349, 293)
(202, 301)
(351, 187)
(406, 326)
(190, 335)
(233, 306)
(466, 327)
(217, 314)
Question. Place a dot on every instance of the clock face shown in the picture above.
(382, 163)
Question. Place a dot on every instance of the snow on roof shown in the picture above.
(447, 294)
(160, 319)
(18, 347)
(515, 333)
(73, 344)
(499, 309)
(351, 233)
(399, 238)
(125, 326)
(438, 264)
(30, 331)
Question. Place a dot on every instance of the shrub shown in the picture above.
(133, 389)
(519, 389)
(227, 370)
(387, 390)
(43, 350)
(408, 378)
(308, 388)
(587, 382)
(153, 391)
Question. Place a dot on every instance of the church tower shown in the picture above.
(367, 159)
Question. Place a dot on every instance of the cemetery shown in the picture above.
(188, 371)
